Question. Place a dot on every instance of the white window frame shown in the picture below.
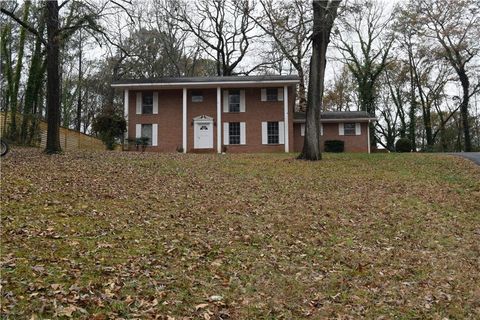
(281, 133)
(144, 105)
(153, 142)
(226, 101)
(264, 95)
(226, 133)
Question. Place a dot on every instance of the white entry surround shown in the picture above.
(203, 132)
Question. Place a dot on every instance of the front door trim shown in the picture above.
(202, 141)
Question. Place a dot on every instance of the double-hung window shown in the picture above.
(233, 100)
(147, 133)
(349, 129)
(147, 103)
(234, 133)
(272, 94)
(272, 133)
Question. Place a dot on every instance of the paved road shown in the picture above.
(474, 156)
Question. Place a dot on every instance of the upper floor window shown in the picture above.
(349, 129)
(272, 94)
(197, 96)
(272, 133)
(147, 103)
(233, 100)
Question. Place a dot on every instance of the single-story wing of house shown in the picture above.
(351, 127)
(228, 114)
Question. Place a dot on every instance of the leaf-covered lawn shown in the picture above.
(173, 236)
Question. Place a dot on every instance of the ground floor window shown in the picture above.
(234, 132)
(272, 133)
(349, 129)
(147, 133)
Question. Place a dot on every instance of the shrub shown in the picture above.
(334, 146)
(403, 145)
(142, 142)
(109, 126)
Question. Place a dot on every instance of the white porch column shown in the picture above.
(125, 113)
(368, 135)
(184, 121)
(219, 120)
(285, 116)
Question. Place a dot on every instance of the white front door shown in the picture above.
(203, 135)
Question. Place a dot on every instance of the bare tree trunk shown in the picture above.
(79, 84)
(302, 100)
(413, 107)
(324, 14)
(13, 130)
(53, 78)
(464, 109)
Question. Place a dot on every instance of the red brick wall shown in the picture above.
(257, 111)
(297, 137)
(330, 132)
(169, 119)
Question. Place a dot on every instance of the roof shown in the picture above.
(334, 116)
(217, 81)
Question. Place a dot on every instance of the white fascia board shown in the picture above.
(204, 84)
(339, 120)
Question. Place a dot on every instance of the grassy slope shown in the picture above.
(138, 235)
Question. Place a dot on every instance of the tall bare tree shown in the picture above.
(223, 27)
(364, 47)
(455, 24)
(289, 24)
(324, 15)
(81, 15)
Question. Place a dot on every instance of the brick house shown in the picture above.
(218, 114)
(351, 127)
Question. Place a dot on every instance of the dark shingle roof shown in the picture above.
(206, 79)
(333, 115)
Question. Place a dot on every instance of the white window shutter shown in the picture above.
(280, 94)
(138, 130)
(155, 102)
(281, 132)
(340, 129)
(358, 129)
(139, 103)
(242, 133)
(302, 129)
(242, 100)
(264, 133)
(264, 94)
(154, 135)
(226, 136)
(225, 100)
(321, 129)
